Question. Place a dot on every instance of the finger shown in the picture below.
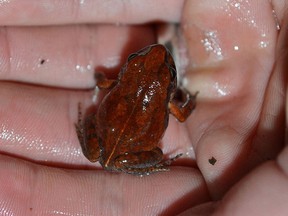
(38, 124)
(67, 56)
(88, 11)
(265, 187)
(27, 188)
(232, 57)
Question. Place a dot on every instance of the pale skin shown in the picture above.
(236, 65)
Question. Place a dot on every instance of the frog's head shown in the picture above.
(156, 62)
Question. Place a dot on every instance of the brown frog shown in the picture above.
(131, 119)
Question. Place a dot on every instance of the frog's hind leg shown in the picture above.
(143, 163)
(87, 136)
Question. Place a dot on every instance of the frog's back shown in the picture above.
(132, 118)
(134, 115)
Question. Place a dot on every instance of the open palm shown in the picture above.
(231, 52)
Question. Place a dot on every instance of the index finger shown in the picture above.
(36, 12)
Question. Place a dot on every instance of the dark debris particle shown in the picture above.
(212, 160)
(42, 61)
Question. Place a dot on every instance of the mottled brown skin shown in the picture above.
(131, 119)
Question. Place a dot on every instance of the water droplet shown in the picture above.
(263, 44)
(236, 48)
(278, 27)
(211, 43)
(4, 2)
(237, 5)
(83, 68)
(222, 90)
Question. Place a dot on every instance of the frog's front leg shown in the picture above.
(103, 83)
(182, 111)
(143, 163)
(87, 136)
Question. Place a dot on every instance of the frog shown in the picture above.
(125, 132)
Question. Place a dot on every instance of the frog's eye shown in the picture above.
(132, 56)
(145, 50)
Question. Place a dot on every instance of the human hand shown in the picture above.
(237, 54)
(238, 122)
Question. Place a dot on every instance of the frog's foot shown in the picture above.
(145, 171)
(182, 111)
(169, 161)
(160, 167)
